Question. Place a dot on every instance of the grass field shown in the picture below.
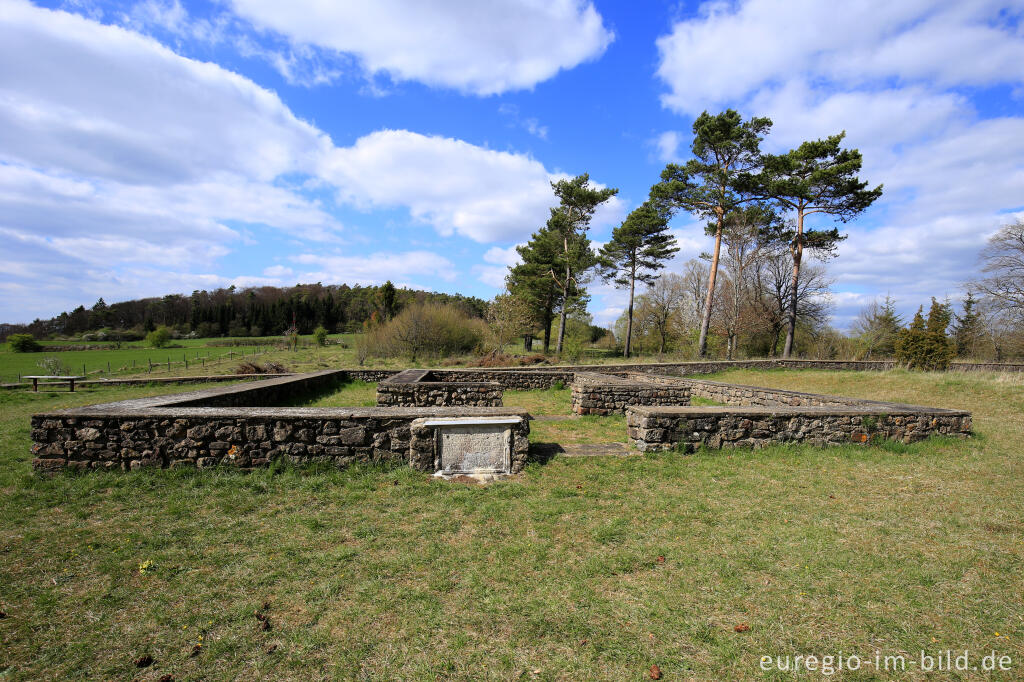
(581, 568)
(212, 356)
(205, 356)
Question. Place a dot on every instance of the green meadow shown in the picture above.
(581, 568)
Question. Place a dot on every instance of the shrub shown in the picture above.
(925, 345)
(159, 337)
(426, 329)
(23, 343)
(574, 346)
(53, 366)
(269, 367)
(320, 335)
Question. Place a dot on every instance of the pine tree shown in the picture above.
(924, 345)
(570, 221)
(967, 329)
(638, 248)
(531, 280)
(816, 177)
(715, 182)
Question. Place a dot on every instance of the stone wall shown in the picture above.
(266, 393)
(510, 379)
(205, 437)
(604, 394)
(738, 394)
(237, 426)
(664, 428)
(423, 388)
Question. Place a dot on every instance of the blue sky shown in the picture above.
(159, 146)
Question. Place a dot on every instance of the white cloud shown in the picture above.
(278, 271)
(457, 187)
(374, 268)
(115, 150)
(500, 260)
(949, 44)
(483, 49)
(667, 145)
(896, 77)
(499, 256)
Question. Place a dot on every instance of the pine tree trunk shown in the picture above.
(629, 318)
(562, 316)
(705, 324)
(731, 348)
(798, 252)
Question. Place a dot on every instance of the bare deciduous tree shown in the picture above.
(666, 308)
(1003, 263)
(774, 294)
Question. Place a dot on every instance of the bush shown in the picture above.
(53, 366)
(269, 367)
(925, 345)
(573, 346)
(426, 330)
(320, 335)
(23, 343)
(159, 337)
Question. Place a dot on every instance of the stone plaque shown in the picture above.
(474, 446)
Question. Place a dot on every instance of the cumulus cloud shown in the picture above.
(667, 145)
(952, 43)
(483, 49)
(498, 260)
(374, 268)
(455, 186)
(114, 150)
(895, 77)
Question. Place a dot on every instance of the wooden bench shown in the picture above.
(70, 379)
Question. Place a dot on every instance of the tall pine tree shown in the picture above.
(570, 221)
(638, 248)
(726, 151)
(816, 177)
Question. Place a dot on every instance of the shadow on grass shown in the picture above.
(542, 453)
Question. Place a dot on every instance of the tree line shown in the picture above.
(256, 311)
(756, 204)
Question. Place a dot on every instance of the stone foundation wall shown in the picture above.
(603, 394)
(738, 394)
(266, 393)
(665, 428)
(442, 394)
(509, 379)
(423, 388)
(239, 426)
(206, 437)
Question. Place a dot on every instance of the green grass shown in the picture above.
(583, 429)
(552, 401)
(351, 394)
(698, 401)
(376, 573)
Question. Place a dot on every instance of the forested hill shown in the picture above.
(246, 312)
